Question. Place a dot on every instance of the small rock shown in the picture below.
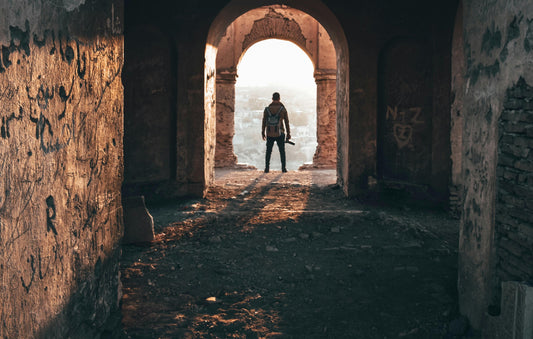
(215, 239)
(366, 247)
(271, 249)
(309, 268)
(336, 229)
(291, 239)
(304, 236)
(212, 300)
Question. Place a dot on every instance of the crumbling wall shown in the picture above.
(498, 43)
(60, 166)
(514, 201)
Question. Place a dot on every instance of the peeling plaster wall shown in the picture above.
(498, 40)
(60, 166)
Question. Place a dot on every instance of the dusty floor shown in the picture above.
(288, 256)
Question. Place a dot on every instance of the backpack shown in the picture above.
(273, 122)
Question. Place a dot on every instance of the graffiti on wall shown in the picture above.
(56, 145)
(403, 123)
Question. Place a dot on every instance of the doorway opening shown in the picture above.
(270, 66)
(231, 37)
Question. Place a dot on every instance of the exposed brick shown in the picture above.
(514, 210)
(510, 175)
(529, 131)
(513, 104)
(526, 229)
(506, 160)
(511, 247)
(515, 150)
(515, 128)
(509, 139)
(524, 165)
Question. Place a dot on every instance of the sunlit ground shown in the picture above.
(267, 67)
(288, 256)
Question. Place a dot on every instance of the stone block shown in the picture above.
(515, 128)
(512, 103)
(138, 223)
(506, 160)
(529, 131)
(516, 318)
(524, 166)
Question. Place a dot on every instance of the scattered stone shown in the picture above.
(335, 229)
(271, 248)
(366, 247)
(215, 239)
(309, 268)
(291, 239)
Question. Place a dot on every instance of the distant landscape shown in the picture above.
(249, 105)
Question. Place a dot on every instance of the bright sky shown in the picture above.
(273, 61)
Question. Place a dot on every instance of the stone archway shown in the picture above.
(277, 22)
(315, 9)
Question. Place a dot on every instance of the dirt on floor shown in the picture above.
(287, 255)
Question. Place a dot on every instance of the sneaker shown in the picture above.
(266, 170)
(284, 170)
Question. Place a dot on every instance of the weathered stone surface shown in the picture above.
(61, 166)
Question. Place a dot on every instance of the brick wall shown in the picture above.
(514, 205)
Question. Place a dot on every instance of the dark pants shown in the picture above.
(281, 146)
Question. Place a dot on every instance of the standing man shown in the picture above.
(274, 116)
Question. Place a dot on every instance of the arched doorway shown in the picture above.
(289, 24)
(325, 17)
(270, 66)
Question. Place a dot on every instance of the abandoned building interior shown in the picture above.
(103, 100)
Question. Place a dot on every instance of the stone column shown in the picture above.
(326, 131)
(225, 93)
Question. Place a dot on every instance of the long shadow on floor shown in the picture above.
(267, 258)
